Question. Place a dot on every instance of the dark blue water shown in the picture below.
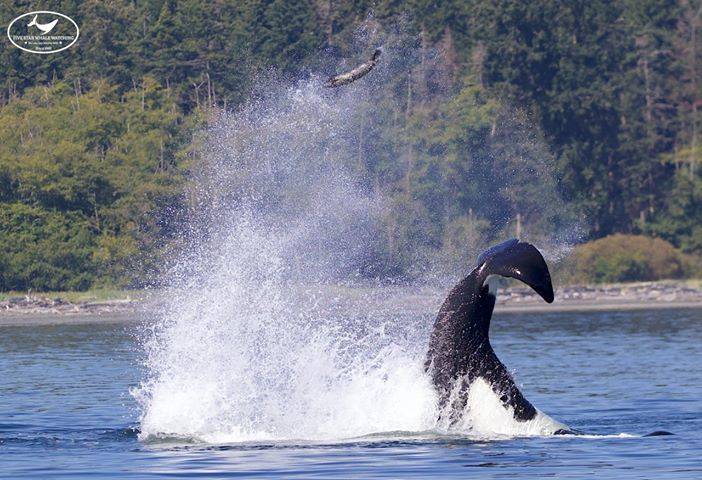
(65, 410)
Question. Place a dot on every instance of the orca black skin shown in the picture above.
(459, 347)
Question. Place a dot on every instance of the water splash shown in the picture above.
(250, 345)
(245, 349)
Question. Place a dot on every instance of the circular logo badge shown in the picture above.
(43, 32)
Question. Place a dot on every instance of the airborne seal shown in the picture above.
(358, 72)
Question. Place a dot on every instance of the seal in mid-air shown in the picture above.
(358, 72)
(460, 354)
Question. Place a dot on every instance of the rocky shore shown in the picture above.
(665, 294)
(40, 305)
(607, 297)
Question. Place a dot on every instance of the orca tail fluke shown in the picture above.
(518, 260)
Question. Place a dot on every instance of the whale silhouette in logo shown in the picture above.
(353, 75)
(44, 27)
(460, 356)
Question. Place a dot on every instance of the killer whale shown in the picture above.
(459, 347)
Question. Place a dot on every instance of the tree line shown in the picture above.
(94, 141)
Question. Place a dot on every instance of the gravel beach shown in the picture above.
(644, 295)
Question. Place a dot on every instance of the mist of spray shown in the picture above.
(248, 346)
(244, 349)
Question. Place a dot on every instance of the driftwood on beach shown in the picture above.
(578, 297)
(33, 304)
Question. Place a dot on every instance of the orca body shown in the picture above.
(459, 348)
(359, 72)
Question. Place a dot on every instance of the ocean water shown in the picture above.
(70, 408)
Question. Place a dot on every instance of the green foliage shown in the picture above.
(98, 133)
(44, 250)
(623, 258)
(84, 181)
(680, 221)
(600, 76)
(206, 52)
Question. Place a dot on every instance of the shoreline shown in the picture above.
(38, 310)
(139, 316)
(53, 319)
(595, 307)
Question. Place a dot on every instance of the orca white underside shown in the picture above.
(485, 415)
